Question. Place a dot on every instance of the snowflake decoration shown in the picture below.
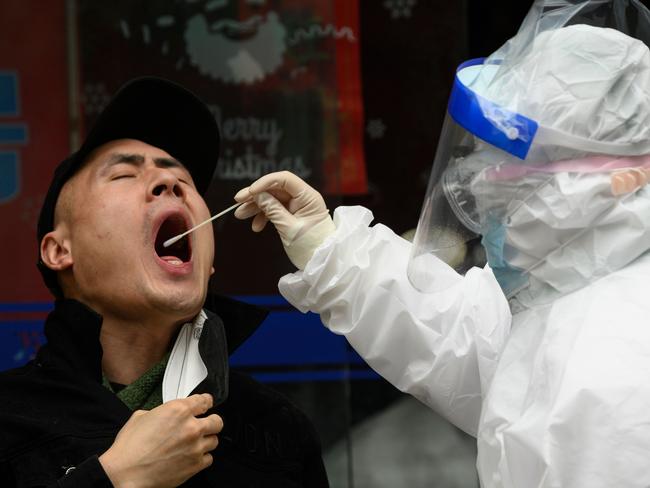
(400, 8)
(376, 128)
(95, 98)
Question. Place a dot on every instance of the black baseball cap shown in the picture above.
(155, 111)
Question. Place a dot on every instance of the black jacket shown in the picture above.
(55, 414)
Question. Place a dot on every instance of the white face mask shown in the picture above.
(568, 229)
(559, 212)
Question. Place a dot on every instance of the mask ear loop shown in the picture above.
(629, 180)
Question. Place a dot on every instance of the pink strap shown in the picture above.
(593, 164)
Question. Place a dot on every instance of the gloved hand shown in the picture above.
(295, 208)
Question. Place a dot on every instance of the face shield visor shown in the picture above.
(565, 107)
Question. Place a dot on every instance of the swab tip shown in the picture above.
(171, 241)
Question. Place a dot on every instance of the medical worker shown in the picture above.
(543, 354)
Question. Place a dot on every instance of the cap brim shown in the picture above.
(165, 115)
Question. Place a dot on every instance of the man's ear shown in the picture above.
(56, 252)
(211, 270)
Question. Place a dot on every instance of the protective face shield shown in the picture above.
(541, 142)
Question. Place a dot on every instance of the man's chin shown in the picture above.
(178, 304)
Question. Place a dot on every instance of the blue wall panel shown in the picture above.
(288, 347)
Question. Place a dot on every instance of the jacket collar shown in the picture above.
(240, 319)
(72, 330)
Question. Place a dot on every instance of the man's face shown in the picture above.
(129, 198)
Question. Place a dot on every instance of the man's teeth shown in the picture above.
(172, 260)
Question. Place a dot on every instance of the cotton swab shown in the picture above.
(171, 241)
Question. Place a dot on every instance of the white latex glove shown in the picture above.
(297, 211)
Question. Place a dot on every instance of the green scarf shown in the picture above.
(144, 393)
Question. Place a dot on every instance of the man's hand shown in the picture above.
(295, 208)
(165, 446)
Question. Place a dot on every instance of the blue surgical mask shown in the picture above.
(510, 279)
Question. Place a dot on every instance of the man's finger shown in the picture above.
(206, 460)
(211, 425)
(199, 404)
(209, 443)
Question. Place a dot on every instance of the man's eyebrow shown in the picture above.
(168, 163)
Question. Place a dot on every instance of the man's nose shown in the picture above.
(165, 182)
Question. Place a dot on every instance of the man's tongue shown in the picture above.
(173, 260)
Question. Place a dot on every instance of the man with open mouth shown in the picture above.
(133, 387)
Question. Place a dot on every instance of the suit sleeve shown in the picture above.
(441, 347)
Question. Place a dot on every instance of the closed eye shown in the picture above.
(119, 177)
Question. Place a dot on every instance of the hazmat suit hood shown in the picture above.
(544, 152)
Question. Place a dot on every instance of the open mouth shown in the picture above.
(181, 251)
